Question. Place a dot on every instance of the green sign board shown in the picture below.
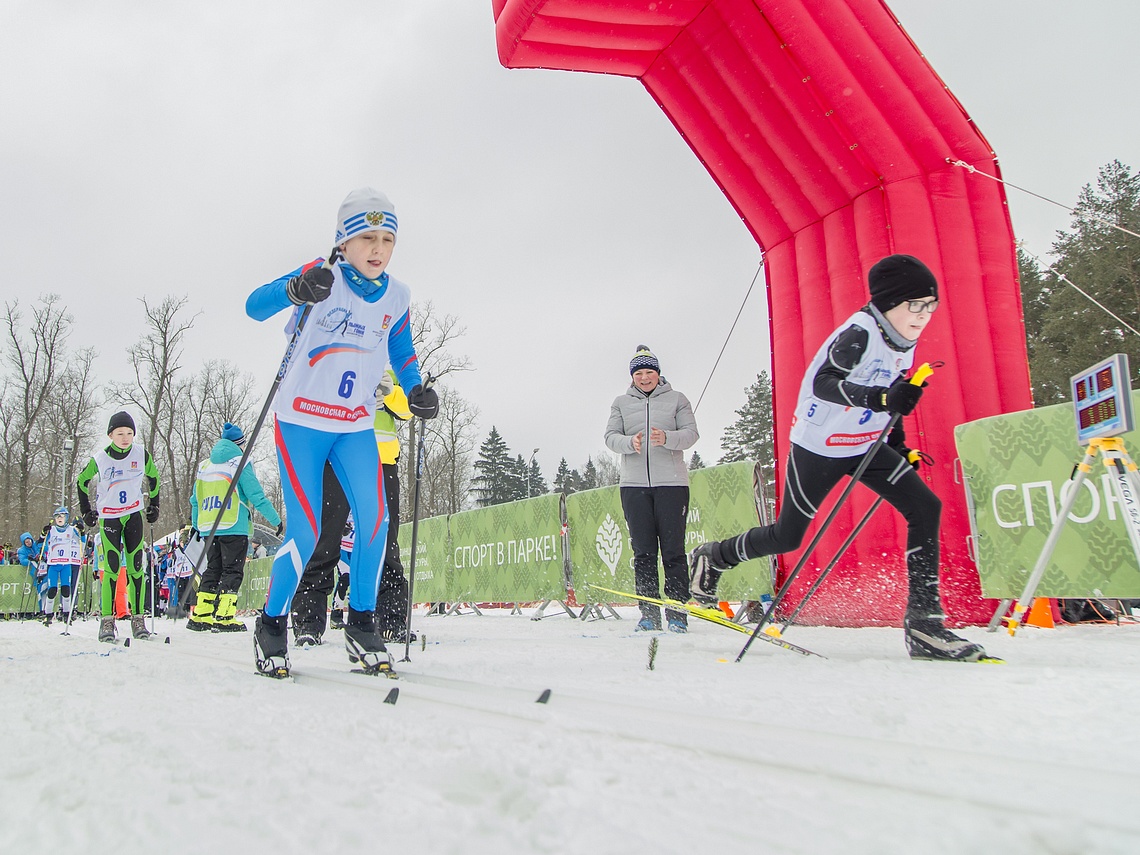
(721, 504)
(1017, 469)
(433, 559)
(508, 553)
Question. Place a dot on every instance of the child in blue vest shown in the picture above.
(351, 320)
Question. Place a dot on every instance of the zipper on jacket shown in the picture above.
(648, 443)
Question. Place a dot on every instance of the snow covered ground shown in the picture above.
(182, 748)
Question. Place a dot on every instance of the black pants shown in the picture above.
(310, 603)
(811, 477)
(225, 564)
(656, 519)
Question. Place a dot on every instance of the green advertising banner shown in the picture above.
(721, 503)
(433, 559)
(508, 553)
(1017, 468)
(255, 584)
(18, 594)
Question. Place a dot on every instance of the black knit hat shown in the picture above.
(644, 358)
(120, 419)
(899, 278)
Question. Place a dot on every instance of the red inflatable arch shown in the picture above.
(830, 135)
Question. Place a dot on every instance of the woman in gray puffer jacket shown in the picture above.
(650, 426)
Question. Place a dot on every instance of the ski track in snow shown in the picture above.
(176, 747)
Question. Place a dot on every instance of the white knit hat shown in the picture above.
(364, 210)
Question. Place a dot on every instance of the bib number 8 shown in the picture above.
(346, 383)
(122, 497)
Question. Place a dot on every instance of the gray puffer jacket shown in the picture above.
(635, 412)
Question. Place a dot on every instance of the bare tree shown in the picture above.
(157, 359)
(72, 407)
(203, 403)
(434, 335)
(35, 351)
(449, 448)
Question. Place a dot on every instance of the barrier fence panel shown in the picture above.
(17, 591)
(508, 553)
(255, 584)
(1017, 468)
(721, 503)
(433, 559)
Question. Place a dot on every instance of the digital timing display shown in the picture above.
(1102, 396)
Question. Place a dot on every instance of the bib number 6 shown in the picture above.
(347, 381)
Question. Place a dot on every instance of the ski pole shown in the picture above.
(771, 630)
(251, 439)
(912, 458)
(428, 383)
(918, 378)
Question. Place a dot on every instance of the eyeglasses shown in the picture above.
(918, 306)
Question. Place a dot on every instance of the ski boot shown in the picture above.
(306, 637)
(107, 629)
(271, 645)
(202, 615)
(48, 618)
(336, 619)
(398, 635)
(678, 623)
(365, 644)
(225, 618)
(927, 638)
(138, 627)
(705, 568)
(650, 619)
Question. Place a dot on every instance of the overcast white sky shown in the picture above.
(203, 149)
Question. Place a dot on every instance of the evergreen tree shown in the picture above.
(695, 461)
(536, 484)
(495, 472)
(562, 479)
(751, 436)
(1072, 332)
(589, 479)
(517, 478)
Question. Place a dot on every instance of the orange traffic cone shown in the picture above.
(121, 609)
(1041, 613)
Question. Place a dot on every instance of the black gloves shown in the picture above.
(423, 402)
(91, 517)
(312, 286)
(152, 511)
(900, 397)
(280, 529)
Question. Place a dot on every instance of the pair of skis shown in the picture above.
(712, 616)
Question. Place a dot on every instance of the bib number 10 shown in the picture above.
(347, 381)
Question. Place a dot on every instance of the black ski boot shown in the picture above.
(336, 619)
(365, 644)
(927, 638)
(705, 568)
(271, 645)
